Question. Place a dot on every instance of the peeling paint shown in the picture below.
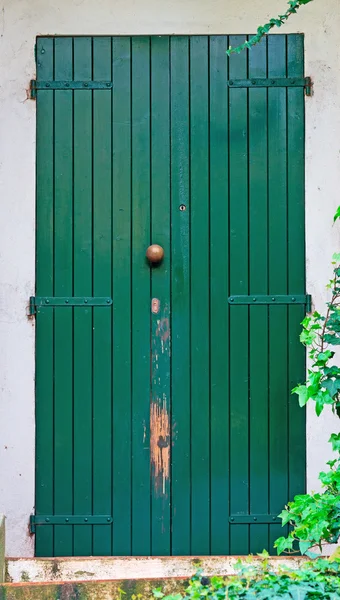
(160, 444)
(160, 428)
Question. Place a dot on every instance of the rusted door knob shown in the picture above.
(155, 253)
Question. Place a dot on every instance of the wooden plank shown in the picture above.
(63, 286)
(140, 289)
(121, 274)
(180, 295)
(160, 409)
(219, 280)
(82, 357)
(199, 291)
(102, 286)
(277, 250)
(296, 263)
(44, 285)
(239, 340)
(258, 284)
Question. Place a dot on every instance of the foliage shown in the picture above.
(321, 333)
(294, 6)
(319, 579)
(315, 518)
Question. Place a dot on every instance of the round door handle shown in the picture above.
(155, 254)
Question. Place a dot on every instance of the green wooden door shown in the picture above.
(165, 423)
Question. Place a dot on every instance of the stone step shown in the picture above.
(128, 589)
(73, 569)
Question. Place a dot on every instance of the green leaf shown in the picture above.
(285, 516)
(302, 392)
(332, 386)
(280, 544)
(307, 337)
(335, 441)
(319, 406)
(337, 214)
(304, 546)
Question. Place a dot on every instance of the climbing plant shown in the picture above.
(280, 20)
(315, 518)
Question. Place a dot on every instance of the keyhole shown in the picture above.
(182, 207)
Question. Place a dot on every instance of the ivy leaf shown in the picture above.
(285, 516)
(280, 544)
(332, 339)
(319, 405)
(307, 337)
(302, 392)
(332, 386)
(335, 441)
(304, 546)
(337, 214)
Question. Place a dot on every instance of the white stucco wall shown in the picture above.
(20, 22)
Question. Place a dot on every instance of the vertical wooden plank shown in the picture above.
(258, 284)
(63, 286)
(141, 534)
(160, 409)
(180, 294)
(121, 274)
(277, 251)
(82, 451)
(296, 262)
(102, 277)
(44, 500)
(239, 341)
(219, 315)
(199, 292)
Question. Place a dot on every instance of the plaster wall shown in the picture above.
(20, 22)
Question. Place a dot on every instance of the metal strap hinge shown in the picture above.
(256, 299)
(37, 85)
(254, 519)
(37, 302)
(38, 520)
(273, 82)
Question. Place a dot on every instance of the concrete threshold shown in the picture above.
(73, 569)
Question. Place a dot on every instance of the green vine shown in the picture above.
(314, 518)
(262, 31)
(321, 333)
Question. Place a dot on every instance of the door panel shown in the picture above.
(165, 423)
